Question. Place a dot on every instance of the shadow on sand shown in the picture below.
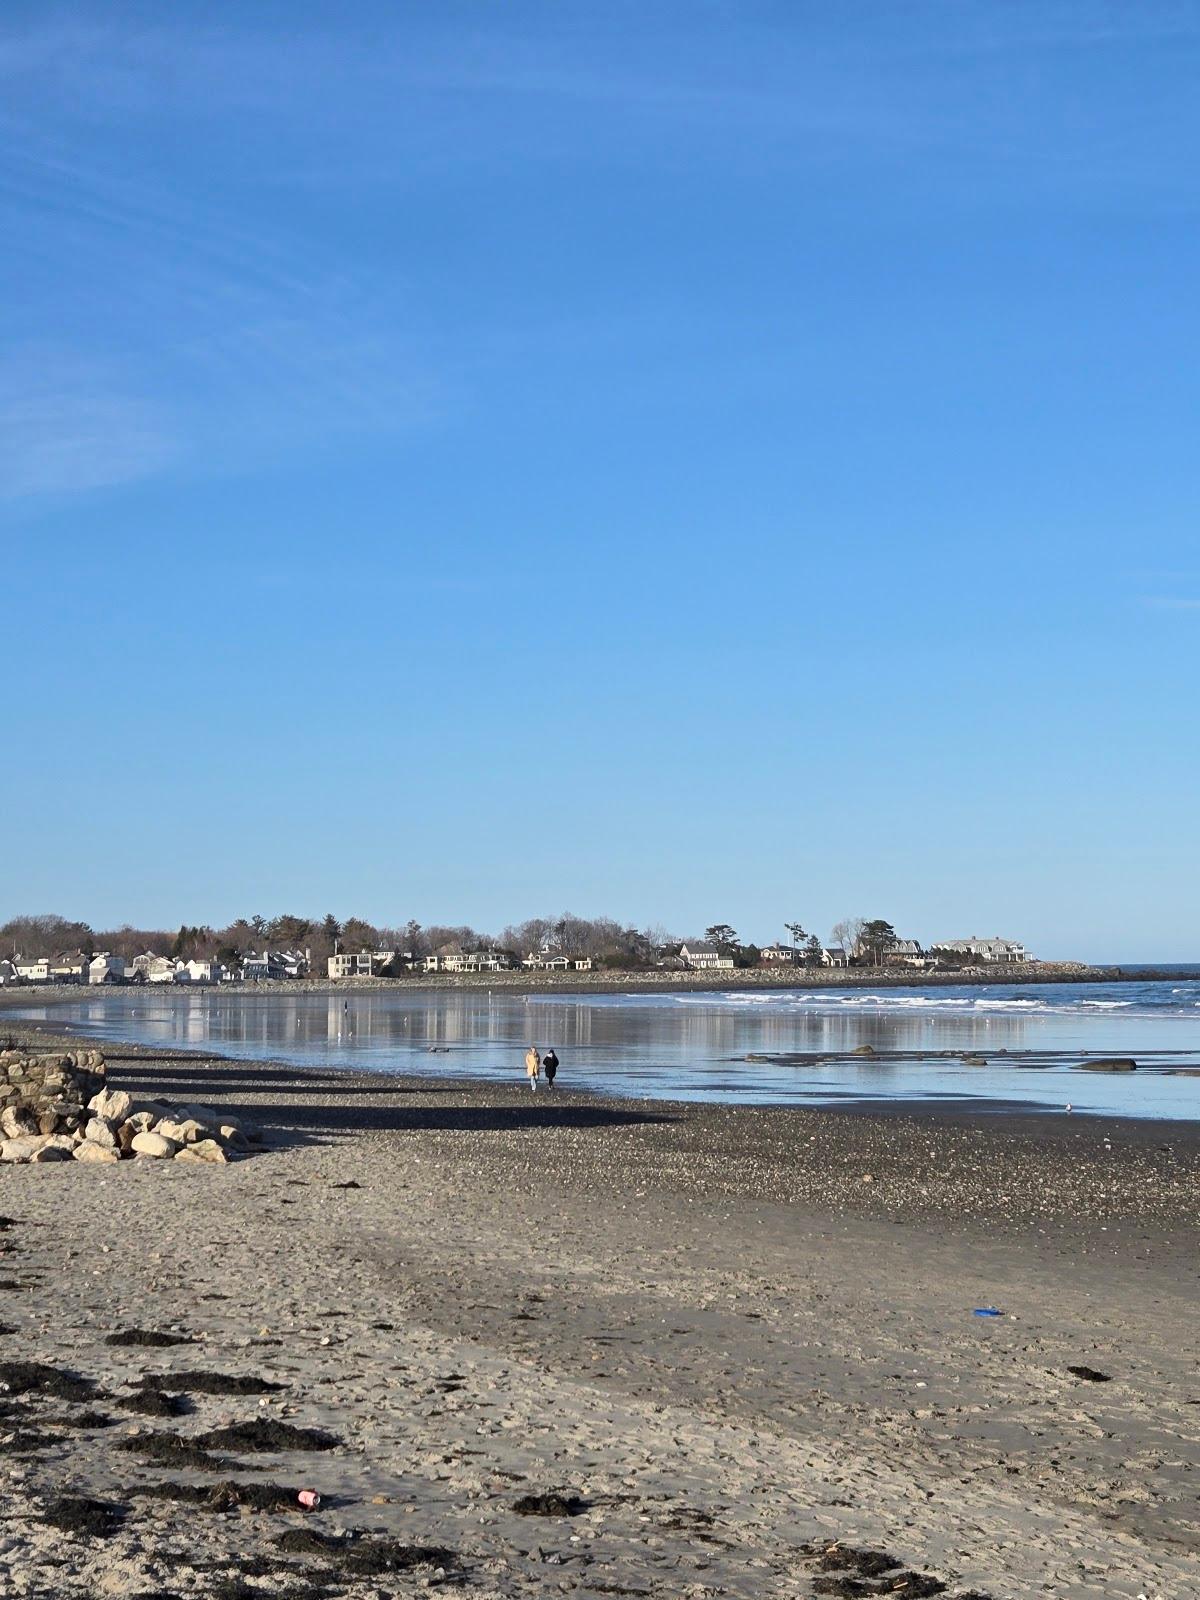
(342, 1107)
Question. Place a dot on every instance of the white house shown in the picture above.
(904, 953)
(777, 955)
(701, 956)
(989, 950)
(468, 961)
(198, 972)
(70, 968)
(105, 968)
(149, 968)
(836, 957)
(33, 969)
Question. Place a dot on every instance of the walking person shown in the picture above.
(550, 1066)
(533, 1065)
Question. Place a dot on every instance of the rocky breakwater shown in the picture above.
(58, 1108)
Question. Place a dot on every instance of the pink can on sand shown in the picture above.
(309, 1499)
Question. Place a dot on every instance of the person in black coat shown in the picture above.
(550, 1066)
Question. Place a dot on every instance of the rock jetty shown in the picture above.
(59, 1108)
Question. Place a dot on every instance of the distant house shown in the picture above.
(69, 968)
(543, 961)
(198, 972)
(350, 964)
(904, 953)
(33, 969)
(361, 963)
(777, 955)
(272, 965)
(983, 950)
(105, 968)
(837, 957)
(468, 961)
(149, 968)
(701, 956)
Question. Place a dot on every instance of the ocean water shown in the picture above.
(1034, 1039)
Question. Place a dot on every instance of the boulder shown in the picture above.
(141, 1121)
(203, 1150)
(126, 1134)
(20, 1149)
(152, 1144)
(90, 1151)
(194, 1132)
(863, 1050)
(17, 1121)
(170, 1129)
(1109, 1064)
(233, 1137)
(100, 1133)
(54, 1149)
(114, 1105)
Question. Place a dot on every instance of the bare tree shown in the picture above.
(845, 934)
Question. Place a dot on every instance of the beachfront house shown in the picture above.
(904, 953)
(264, 967)
(468, 961)
(105, 968)
(198, 972)
(69, 968)
(837, 957)
(990, 951)
(701, 956)
(33, 969)
(149, 968)
(777, 955)
(350, 964)
(364, 963)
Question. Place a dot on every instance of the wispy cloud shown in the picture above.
(68, 426)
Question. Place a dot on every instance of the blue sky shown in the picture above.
(687, 462)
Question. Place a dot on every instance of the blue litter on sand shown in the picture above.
(986, 1311)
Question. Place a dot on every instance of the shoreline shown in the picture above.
(636, 982)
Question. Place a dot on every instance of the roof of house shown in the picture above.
(701, 947)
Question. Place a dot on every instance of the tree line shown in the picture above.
(603, 940)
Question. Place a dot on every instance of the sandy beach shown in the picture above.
(736, 1346)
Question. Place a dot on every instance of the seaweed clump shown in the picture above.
(364, 1558)
(86, 1519)
(265, 1433)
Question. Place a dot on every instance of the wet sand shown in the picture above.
(734, 1336)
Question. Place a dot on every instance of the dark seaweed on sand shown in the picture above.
(153, 1403)
(172, 1450)
(1089, 1374)
(147, 1337)
(863, 1563)
(364, 1558)
(87, 1519)
(207, 1383)
(227, 1496)
(549, 1505)
(83, 1420)
(34, 1377)
(6, 1327)
(6, 1223)
(264, 1433)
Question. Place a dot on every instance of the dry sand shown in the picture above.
(730, 1335)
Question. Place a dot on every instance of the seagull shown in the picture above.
(1068, 1106)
